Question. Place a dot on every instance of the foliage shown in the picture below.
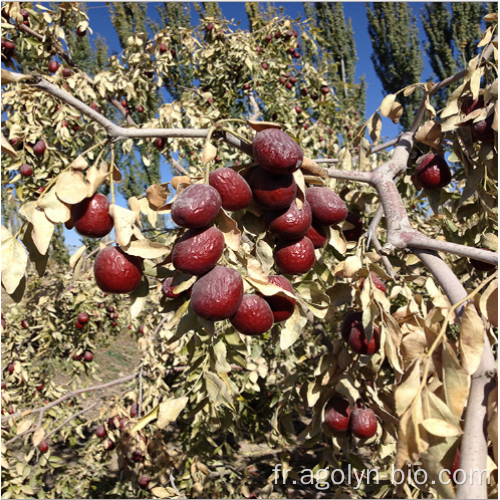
(214, 410)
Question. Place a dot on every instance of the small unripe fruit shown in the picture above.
(117, 272)
(432, 171)
(277, 152)
(254, 316)
(294, 257)
(281, 307)
(43, 446)
(39, 148)
(363, 423)
(53, 66)
(354, 233)
(272, 192)
(26, 170)
(66, 72)
(88, 356)
(91, 217)
(83, 318)
(196, 207)
(338, 414)
(326, 206)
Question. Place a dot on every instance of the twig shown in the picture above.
(70, 418)
(139, 406)
(385, 260)
(255, 107)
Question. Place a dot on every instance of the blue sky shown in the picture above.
(356, 11)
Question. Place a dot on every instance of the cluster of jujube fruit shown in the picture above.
(339, 417)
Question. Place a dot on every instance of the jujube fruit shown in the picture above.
(432, 171)
(233, 189)
(198, 250)
(24, 323)
(91, 217)
(79, 325)
(277, 152)
(218, 294)
(291, 223)
(363, 423)
(168, 290)
(470, 104)
(479, 265)
(81, 32)
(66, 72)
(43, 446)
(272, 192)
(318, 235)
(39, 148)
(352, 327)
(254, 316)
(83, 318)
(377, 283)
(197, 206)
(281, 307)
(117, 272)
(88, 356)
(294, 257)
(26, 170)
(162, 48)
(354, 233)
(137, 456)
(53, 66)
(338, 414)
(326, 206)
(133, 410)
(144, 481)
(483, 130)
(100, 432)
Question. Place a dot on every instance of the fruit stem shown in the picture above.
(111, 169)
(234, 133)
(20, 229)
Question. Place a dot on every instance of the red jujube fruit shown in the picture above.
(326, 206)
(354, 233)
(254, 316)
(282, 307)
(232, 187)
(197, 206)
(91, 217)
(363, 423)
(338, 414)
(117, 272)
(272, 192)
(432, 171)
(318, 235)
(294, 257)
(291, 223)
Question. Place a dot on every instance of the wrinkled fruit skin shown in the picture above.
(254, 316)
(117, 272)
(377, 283)
(479, 265)
(354, 233)
(198, 250)
(168, 290)
(197, 206)
(483, 131)
(26, 170)
(318, 235)
(39, 148)
(353, 333)
(294, 257)
(91, 217)
(232, 188)
(432, 172)
(272, 192)
(289, 224)
(277, 152)
(218, 294)
(282, 307)
(327, 208)
(363, 423)
(338, 414)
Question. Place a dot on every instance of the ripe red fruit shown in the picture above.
(117, 272)
(272, 192)
(354, 233)
(198, 250)
(39, 148)
(269, 38)
(282, 307)
(294, 257)
(24, 323)
(282, 80)
(210, 26)
(167, 289)
(291, 223)
(456, 464)
(43, 446)
(110, 309)
(304, 91)
(377, 282)
(140, 109)
(432, 171)
(480, 265)
(113, 323)
(363, 423)
(137, 456)
(142, 329)
(277, 35)
(318, 235)
(277, 152)
(77, 357)
(338, 414)
(483, 130)
(326, 206)
(81, 32)
(314, 97)
(162, 48)
(88, 356)
(233, 189)
(109, 445)
(66, 72)
(12, 367)
(159, 142)
(298, 110)
(353, 332)
(246, 86)
(4, 384)
(26, 170)
(149, 74)
(91, 217)
(100, 432)
(133, 410)
(325, 90)
(83, 318)
(254, 316)
(144, 481)
(24, 13)
(264, 66)
(296, 55)
(469, 104)
(40, 387)
(258, 49)
(53, 66)
(293, 80)
(288, 86)
(197, 206)
(218, 294)
(79, 325)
